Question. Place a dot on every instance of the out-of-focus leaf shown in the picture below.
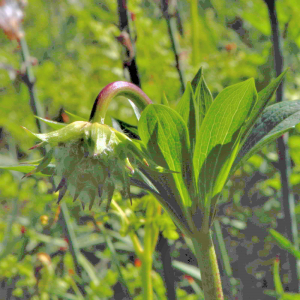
(284, 243)
(187, 269)
(276, 275)
(48, 171)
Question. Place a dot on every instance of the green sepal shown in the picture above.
(164, 100)
(52, 124)
(75, 117)
(70, 132)
(109, 187)
(43, 164)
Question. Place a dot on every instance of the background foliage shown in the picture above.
(77, 52)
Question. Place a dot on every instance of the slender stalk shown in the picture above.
(135, 240)
(130, 65)
(219, 240)
(171, 22)
(289, 223)
(208, 264)
(112, 90)
(36, 107)
(101, 229)
(29, 80)
(144, 253)
(195, 30)
(146, 258)
(168, 273)
(70, 234)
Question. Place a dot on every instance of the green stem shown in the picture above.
(146, 259)
(134, 238)
(208, 264)
(145, 254)
(112, 90)
(70, 234)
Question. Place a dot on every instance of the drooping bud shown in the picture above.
(92, 159)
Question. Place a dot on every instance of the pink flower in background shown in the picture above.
(11, 16)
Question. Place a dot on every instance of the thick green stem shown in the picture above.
(208, 264)
(112, 90)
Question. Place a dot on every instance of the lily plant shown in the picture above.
(183, 156)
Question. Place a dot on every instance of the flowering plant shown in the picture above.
(184, 157)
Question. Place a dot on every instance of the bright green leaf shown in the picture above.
(188, 109)
(187, 269)
(217, 140)
(165, 134)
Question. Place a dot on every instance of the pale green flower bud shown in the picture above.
(92, 159)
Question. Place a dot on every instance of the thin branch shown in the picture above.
(172, 28)
(127, 41)
(287, 201)
(29, 80)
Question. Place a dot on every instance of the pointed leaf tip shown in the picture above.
(62, 192)
(61, 184)
(76, 194)
(37, 145)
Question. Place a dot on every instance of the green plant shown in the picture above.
(184, 158)
(279, 292)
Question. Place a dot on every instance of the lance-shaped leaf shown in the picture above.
(165, 135)
(52, 124)
(203, 99)
(196, 80)
(189, 111)
(165, 100)
(264, 96)
(216, 167)
(109, 187)
(284, 243)
(275, 120)
(194, 104)
(218, 133)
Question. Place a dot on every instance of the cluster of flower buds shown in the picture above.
(91, 159)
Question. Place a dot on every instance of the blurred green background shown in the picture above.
(77, 53)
